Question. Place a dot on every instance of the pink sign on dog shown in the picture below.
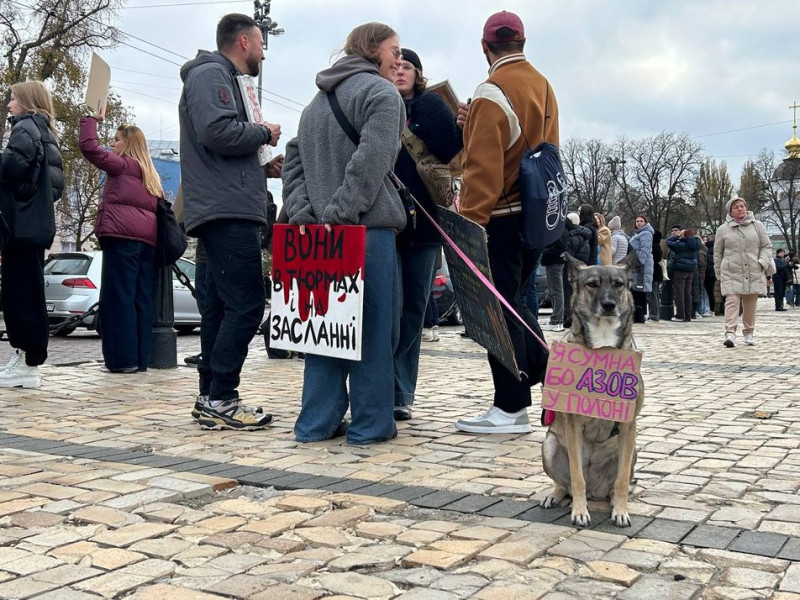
(592, 382)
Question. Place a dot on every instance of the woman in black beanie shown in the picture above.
(419, 248)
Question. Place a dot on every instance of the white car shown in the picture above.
(72, 287)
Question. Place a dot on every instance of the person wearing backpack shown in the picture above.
(515, 109)
(432, 123)
(31, 182)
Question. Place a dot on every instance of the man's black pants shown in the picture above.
(511, 266)
(234, 303)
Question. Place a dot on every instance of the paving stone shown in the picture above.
(106, 516)
(637, 524)
(31, 564)
(609, 571)
(307, 504)
(290, 481)
(329, 537)
(25, 587)
(429, 594)
(587, 545)
(221, 523)
(791, 550)
(240, 506)
(233, 541)
(438, 499)
(418, 537)
(111, 559)
(130, 534)
(15, 506)
(284, 572)
(644, 561)
(438, 525)
(339, 518)
(65, 575)
(289, 592)
(370, 557)
(687, 568)
(502, 590)
(710, 536)
(379, 489)
(378, 530)
(751, 579)
(360, 586)
(519, 552)
(471, 503)
(537, 514)
(480, 532)
(437, 559)
(409, 493)
(71, 553)
(164, 591)
(189, 489)
(507, 509)
(349, 485)
(163, 548)
(59, 536)
(315, 483)
(112, 585)
(35, 520)
(66, 594)
(236, 564)
(666, 531)
(790, 583)
(759, 542)
(8, 555)
(654, 586)
(197, 555)
(147, 496)
(277, 524)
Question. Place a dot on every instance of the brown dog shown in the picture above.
(586, 456)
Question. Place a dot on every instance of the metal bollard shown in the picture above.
(164, 339)
(665, 310)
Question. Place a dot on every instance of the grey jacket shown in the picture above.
(743, 256)
(220, 173)
(326, 178)
(642, 244)
(619, 245)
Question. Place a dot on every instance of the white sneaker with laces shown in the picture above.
(19, 374)
(435, 333)
(427, 335)
(730, 340)
(557, 327)
(748, 339)
(496, 420)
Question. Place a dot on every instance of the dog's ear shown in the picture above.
(630, 263)
(573, 266)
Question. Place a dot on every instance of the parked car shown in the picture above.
(72, 286)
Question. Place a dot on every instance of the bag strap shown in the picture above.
(544, 120)
(346, 126)
(414, 145)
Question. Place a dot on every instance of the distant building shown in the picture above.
(785, 184)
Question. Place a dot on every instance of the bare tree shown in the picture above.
(49, 40)
(658, 175)
(712, 191)
(782, 194)
(752, 187)
(588, 167)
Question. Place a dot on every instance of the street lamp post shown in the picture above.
(268, 27)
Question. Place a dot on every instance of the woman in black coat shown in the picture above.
(419, 248)
(32, 180)
(586, 219)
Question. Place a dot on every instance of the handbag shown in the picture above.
(434, 174)
(543, 188)
(171, 241)
(405, 196)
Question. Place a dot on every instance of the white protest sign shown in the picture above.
(318, 290)
(99, 83)
(253, 109)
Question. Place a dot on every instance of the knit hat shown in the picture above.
(411, 57)
(730, 202)
(615, 223)
(574, 218)
(500, 21)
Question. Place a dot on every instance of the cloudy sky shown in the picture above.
(632, 67)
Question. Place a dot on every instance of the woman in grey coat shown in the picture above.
(642, 279)
(328, 179)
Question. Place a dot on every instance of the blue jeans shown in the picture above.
(234, 303)
(126, 303)
(417, 267)
(325, 393)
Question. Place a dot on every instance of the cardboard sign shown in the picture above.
(99, 83)
(318, 290)
(480, 309)
(593, 382)
(253, 109)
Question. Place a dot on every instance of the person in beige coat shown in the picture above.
(603, 240)
(743, 260)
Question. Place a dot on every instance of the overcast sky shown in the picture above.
(632, 67)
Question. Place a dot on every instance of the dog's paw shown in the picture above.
(621, 519)
(554, 498)
(581, 519)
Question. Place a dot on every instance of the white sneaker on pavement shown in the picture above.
(496, 420)
(730, 340)
(435, 333)
(748, 339)
(19, 374)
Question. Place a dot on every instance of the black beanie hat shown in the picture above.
(411, 57)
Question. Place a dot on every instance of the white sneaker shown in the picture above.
(553, 327)
(748, 339)
(496, 421)
(428, 335)
(18, 374)
(730, 340)
(708, 313)
(698, 315)
(435, 333)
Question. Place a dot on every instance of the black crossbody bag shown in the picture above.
(402, 190)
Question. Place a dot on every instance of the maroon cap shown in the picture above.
(500, 20)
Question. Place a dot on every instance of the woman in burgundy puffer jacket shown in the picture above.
(126, 230)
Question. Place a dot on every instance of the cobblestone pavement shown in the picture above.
(107, 488)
